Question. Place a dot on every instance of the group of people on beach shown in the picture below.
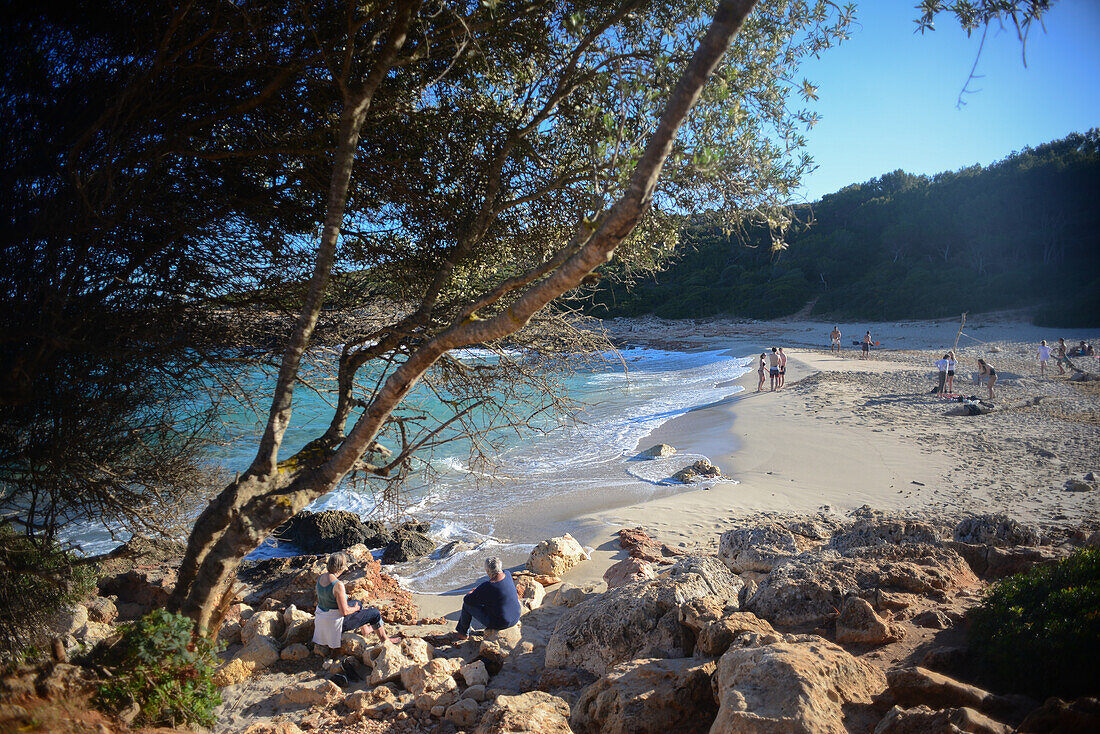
(774, 365)
(865, 343)
(1061, 352)
(494, 603)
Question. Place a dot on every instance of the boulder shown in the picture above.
(569, 595)
(648, 697)
(258, 654)
(531, 591)
(701, 469)
(353, 643)
(313, 693)
(372, 697)
(999, 530)
(534, 712)
(294, 652)
(716, 624)
(464, 713)
(796, 683)
(386, 661)
(474, 674)
(557, 679)
(416, 650)
(659, 451)
(916, 686)
(932, 619)
(638, 543)
(627, 571)
(93, 632)
(1078, 485)
(267, 624)
(636, 621)
(874, 531)
(407, 545)
(432, 683)
(924, 720)
(139, 590)
(756, 548)
(330, 531)
(1081, 716)
(809, 589)
(555, 556)
(857, 623)
(103, 610)
(69, 621)
(713, 573)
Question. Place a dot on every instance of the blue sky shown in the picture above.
(887, 96)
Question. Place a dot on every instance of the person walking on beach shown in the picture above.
(762, 370)
(835, 336)
(773, 367)
(494, 603)
(1060, 352)
(1044, 357)
(985, 369)
(334, 613)
(782, 368)
(866, 345)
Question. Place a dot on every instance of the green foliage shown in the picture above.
(1019, 233)
(37, 579)
(1039, 633)
(157, 665)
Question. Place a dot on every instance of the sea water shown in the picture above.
(540, 481)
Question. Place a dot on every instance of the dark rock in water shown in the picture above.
(407, 545)
(330, 531)
(453, 548)
(995, 530)
(701, 469)
(658, 451)
(416, 526)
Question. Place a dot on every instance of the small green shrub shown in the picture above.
(157, 665)
(1039, 633)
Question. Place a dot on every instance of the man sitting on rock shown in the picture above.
(494, 603)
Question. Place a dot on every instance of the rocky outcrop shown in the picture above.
(659, 451)
(644, 548)
(1081, 716)
(999, 530)
(924, 720)
(409, 542)
(716, 624)
(858, 623)
(312, 693)
(330, 531)
(875, 531)
(701, 469)
(997, 562)
(919, 686)
(713, 573)
(756, 548)
(648, 697)
(258, 654)
(432, 684)
(794, 683)
(530, 589)
(628, 571)
(140, 589)
(535, 712)
(555, 556)
(807, 590)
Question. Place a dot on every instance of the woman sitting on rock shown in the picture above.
(334, 613)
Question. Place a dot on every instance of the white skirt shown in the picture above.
(328, 627)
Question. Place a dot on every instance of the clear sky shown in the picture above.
(887, 96)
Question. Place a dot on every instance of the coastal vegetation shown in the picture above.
(1020, 232)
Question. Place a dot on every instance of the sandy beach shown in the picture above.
(847, 432)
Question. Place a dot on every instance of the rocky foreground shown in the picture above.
(798, 624)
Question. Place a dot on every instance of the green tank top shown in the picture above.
(326, 599)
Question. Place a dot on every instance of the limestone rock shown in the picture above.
(556, 679)
(555, 556)
(474, 674)
(407, 544)
(371, 698)
(292, 615)
(103, 610)
(313, 693)
(266, 624)
(353, 643)
(69, 621)
(923, 720)
(330, 531)
(858, 623)
(659, 451)
(915, 686)
(294, 652)
(230, 633)
(932, 619)
(432, 683)
(713, 573)
(299, 631)
(534, 712)
(476, 693)
(531, 591)
(387, 661)
(507, 639)
(701, 469)
(638, 543)
(628, 571)
(716, 625)
(1081, 716)
(756, 548)
(799, 683)
(258, 654)
(274, 727)
(93, 632)
(876, 530)
(648, 697)
(569, 595)
(417, 650)
(635, 621)
(464, 713)
(999, 530)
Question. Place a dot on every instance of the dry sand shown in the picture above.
(845, 432)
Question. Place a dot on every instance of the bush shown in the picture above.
(37, 579)
(157, 665)
(1039, 633)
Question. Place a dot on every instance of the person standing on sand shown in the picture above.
(334, 613)
(941, 365)
(985, 369)
(835, 336)
(952, 363)
(866, 345)
(782, 368)
(773, 366)
(494, 603)
(1060, 352)
(1044, 357)
(762, 370)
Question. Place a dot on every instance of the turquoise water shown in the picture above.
(539, 481)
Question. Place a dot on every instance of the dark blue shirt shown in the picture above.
(498, 602)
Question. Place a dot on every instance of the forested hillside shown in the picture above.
(1021, 232)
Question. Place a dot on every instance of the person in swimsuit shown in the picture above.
(835, 336)
(866, 345)
(985, 369)
(762, 370)
(782, 368)
(334, 613)
(773, 366)
(1060, 352)
(1044, 357)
